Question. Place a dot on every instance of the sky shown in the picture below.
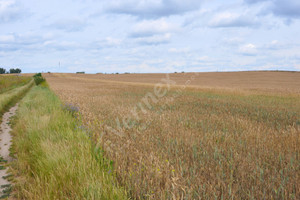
(149, 36)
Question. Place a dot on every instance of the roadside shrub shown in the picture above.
(37, 74)
(38, 79)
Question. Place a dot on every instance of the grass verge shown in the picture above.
(55, 158)
(11, 96)
(9, 82)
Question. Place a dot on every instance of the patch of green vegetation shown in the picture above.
(6, 191)
(7, 176)
(38, 79)
(9, 82)
(11, 96)
(56, 159)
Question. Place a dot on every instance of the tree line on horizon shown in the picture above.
(10, 71)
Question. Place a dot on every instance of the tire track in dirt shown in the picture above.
(5, 143)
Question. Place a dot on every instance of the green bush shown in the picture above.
(38, 79)
(37, 74)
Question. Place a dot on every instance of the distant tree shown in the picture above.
(2, 71)
(15, 71)
(18, 71)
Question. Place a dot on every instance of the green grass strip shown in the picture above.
(54, 157)
(7, 98)
(9, 82)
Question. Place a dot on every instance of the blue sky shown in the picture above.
(149, 35)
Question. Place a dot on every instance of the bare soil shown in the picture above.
(5, 143)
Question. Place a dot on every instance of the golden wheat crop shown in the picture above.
(174, 140)
(272, 81)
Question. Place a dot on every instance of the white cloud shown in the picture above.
(69, 25)
(153, 8)
(106, 43)
(179, 50)
(153, 32)
(248, 49)
(202, 58)
(6, 39)
(286, 8)
(5, 4)
(113, 41)
(25, 41)
(155, 39)
(126, 33)
(229, 19)
(283, 8)
(61, 45)
(233, 41)
(275, 44)
(151, 27)
(9, 11)
(195, 17)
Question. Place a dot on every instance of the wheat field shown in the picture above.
(194, 135)
(268, 81)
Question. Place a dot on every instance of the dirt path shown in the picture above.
(5, 143)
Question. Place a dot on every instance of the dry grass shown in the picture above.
(195, 143)
(8, 82)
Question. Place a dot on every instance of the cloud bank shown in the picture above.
(149, 35)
